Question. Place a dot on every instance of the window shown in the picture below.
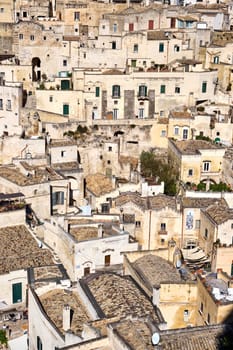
(217, 133)
(50, 98)
(176, 48)
(1, 103)
(24, 14)
(216, 59)
(17, 292)
(135, 48)
(186, 315)
(197, 223)
(162, 241)
(20, 36)
(109, 161)
(115, 113)
(177, 90)
(206, 166)
(163, 133)
(84, 55)
(190, 172)
(206, 233)
(150, 24)
(114, 27)
(97, 91)
(58, 198)
(231, 226)
(44, 38)
(208, 318)
(107, 260)
(161, 47)
(66, 109)
(161, 113)
(162, 89)
(116, 92)
(86, 271)
(114, 45)
(163, 226)
(8, 105)
(133, 63)
(32, 37)
(142, 91)
(76, 16)
(176, 130)
(1, 9)
(39, 343)
(138, 223)
(204, 87)
(185, 134)
(110, 148)
(141, 113)
(131, 27)
(63, 154)
(64, 63)
(201, 307)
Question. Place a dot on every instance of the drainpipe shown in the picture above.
(149, 229)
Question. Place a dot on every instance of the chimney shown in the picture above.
(66, 317)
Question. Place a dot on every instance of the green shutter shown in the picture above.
(66, 109)
(204, 86)
(17, 292)
(65, 85)
(162, 89)
(97, 91)
(161, 47)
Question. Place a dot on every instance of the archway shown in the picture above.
(36, 73)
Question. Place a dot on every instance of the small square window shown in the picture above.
(32, 38)
(63, 153)
(110, 149)
(217, 133)
(135, 48)
(138, 223)
(50, 98)
(109, 161)
(177, 90)
(190, 172)
(232, 226)
(44, 38)
(64, 63)
(161, 47)
(20, 36)
(163, 226)
(1, 9)
(176, 130)
(163, 133)
(103, 27)
(24, 14)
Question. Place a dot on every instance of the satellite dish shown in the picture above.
(178, 264)
(155, 339)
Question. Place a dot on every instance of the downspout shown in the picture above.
(149, 229)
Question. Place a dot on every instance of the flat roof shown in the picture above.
(191, 147)
(19, 250)
(99, 184)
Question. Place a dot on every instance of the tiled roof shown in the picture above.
(119, 297)
(19, 250)
(157, 35)
(99, 184)
(219, 213)
(189, 202)
(158, 202)
(155, 270)
(192, 147)
(40, 175)
(53, 303)
(137, 334)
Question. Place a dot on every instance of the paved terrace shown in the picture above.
(119, 297)
(53, 303)
(19, 250)
(38, 175)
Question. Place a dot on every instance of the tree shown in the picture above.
(3, 337)
(161, 170)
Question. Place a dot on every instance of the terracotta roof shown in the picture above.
(155, 270)
(53, 303)
(112, 72)
(157, 35)
(16, 255)
(194, 146)
(119, 297)
(219, 213)
(189, 202)
(180, 114)
(99, 184)
(158, 202)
